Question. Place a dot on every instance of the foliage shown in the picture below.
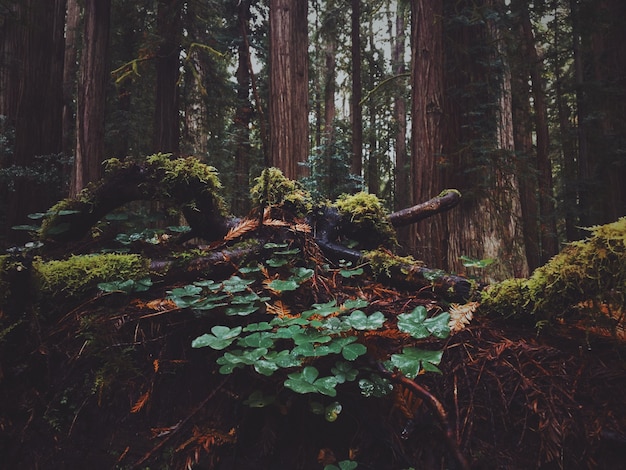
(272, 188)
(315, 350)
(368, 223)
(592, 270)
(76, 275)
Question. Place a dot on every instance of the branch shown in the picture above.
(437, 408)
(444, 202)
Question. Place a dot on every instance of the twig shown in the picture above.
(435, 406)
(180, 426)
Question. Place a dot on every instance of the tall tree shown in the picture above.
(356, 113)
(547, 216)
(602, 26)
(166, 130)
(462, 136)
(427, 77)
(289, 77)
(90, 112)
(31, 74)
(243, 116)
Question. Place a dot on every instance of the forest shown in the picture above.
(312, 234)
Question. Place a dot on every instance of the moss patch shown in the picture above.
(272, 188)
(592, 270)
(74, 276)
(366, 220)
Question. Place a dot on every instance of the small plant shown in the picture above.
(317, 349)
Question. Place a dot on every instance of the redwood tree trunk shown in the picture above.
(31, 73)
(355, 105)
(289, 128)
(166, 131)
(90, 111)
(548, 235)
(243, 117)
(426, 111)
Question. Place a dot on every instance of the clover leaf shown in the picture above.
(413, 360)
(220, 337)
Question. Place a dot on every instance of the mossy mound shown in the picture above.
(366, 220)
(272, 188)
(589, 273)
(74, 276)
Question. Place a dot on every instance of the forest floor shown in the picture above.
(111, 381)
(145, 399)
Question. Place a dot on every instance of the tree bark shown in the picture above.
(91, 101)
(427, 121)
(289, 144)
(243, 116)
(547, 227)
(356, 114)
(166, 131)
(31, 98)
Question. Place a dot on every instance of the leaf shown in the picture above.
(306, 381)
(30, 228)
(344, 372)
(476, 263)
(375, 386)
(352, 351)
(261, 326)
(257, 340)
(413, 323)
(220, 337)
(360, 321)
(322, 309)
(241, 310)
(438, 326)
(276, 262)
(302, 274)
(355, 303)
(331, 412)
(282, 286)
(412, 361)
(271, 245)
(235, 284)
(348, 273)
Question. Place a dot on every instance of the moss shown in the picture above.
(74, 276)
(53, 223)
(174, 175)
(593, 270)
(382, 262)
(272, 188)
(365, 220)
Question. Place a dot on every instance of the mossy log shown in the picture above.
(588, 276)
(185, 181)
(194, 187)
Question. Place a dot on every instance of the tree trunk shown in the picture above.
(427, 121)
(91, 95)
(330, 50)
(548, 235)
(31, 98)
(355, 103)
(70, 68)
(289, 144)
(243, 116)
(166, 131)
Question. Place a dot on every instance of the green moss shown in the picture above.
(366, 220)
(74, 276)
(272, 188)
(53, 222)
(593, 270)
(382, 262)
